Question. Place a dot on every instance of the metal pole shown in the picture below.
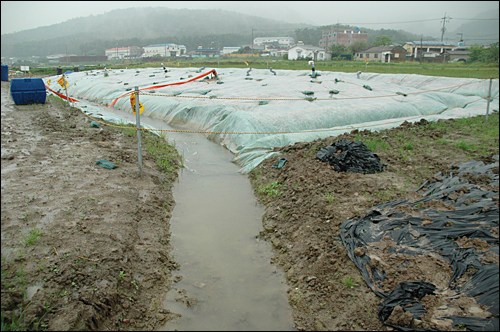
(252, 42)
(443, 29)
(421, 50)
(489, 97)
(66, 89)
(138, 126)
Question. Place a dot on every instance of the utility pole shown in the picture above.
(421, 50)
(326, 41)
(252, 42)
(443, 29)
(337, 34)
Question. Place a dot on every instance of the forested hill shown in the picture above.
(143, 26)
(140, 27)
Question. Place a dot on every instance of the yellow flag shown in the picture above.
(62, 82)
(132, 102)
(48, 82)
(246, 63)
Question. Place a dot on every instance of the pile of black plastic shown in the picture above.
(475, 215)
(354, 157)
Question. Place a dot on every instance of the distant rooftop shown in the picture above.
(155, 45)
(431, 43)
(118, 48)
(309, 47)
(378, 49)
(159, 45)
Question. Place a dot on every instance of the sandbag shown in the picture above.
(106, 164)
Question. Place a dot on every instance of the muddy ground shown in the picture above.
(87, 248)
(307, 201)
(90, 245)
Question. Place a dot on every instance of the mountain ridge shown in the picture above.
(142, 26)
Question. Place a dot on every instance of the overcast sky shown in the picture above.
(23, 15)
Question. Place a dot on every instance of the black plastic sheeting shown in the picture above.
(405, 295)
(476, 213)
(348, 156)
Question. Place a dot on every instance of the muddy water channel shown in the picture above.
(225, 268)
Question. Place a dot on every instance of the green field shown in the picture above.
(482, 71)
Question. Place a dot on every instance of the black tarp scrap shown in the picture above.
(348, 156)
(406, 295)
(451, 208)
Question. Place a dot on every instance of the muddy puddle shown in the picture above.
(225, 268)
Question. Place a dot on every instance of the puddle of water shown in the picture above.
(223, 265)
(8, 168)
(31, 290)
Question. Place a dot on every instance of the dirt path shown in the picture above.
(88, 244)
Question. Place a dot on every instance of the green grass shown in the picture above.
(481, 134)
(373, 144)
(349, 282)
(127, 130)
(482, 71)
(329, 197)
(167, 157)
(466, 146)
(271, 189)
(18, 321)
(32, 237)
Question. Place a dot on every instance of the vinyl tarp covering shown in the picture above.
(444, 245)
(274, 108)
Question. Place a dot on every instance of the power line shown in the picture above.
(490, 37)
(276, 29)
(434, 19)
(491, 34)
(477, 19)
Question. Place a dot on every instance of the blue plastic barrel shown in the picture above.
(5, 73)
(27, 91)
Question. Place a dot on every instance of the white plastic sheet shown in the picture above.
(287, 117)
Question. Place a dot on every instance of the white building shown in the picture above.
(429, 49)
(229, 50)
(165, 50)
(123, 52)
(302, 51)
(274, 41)
(275, 52)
